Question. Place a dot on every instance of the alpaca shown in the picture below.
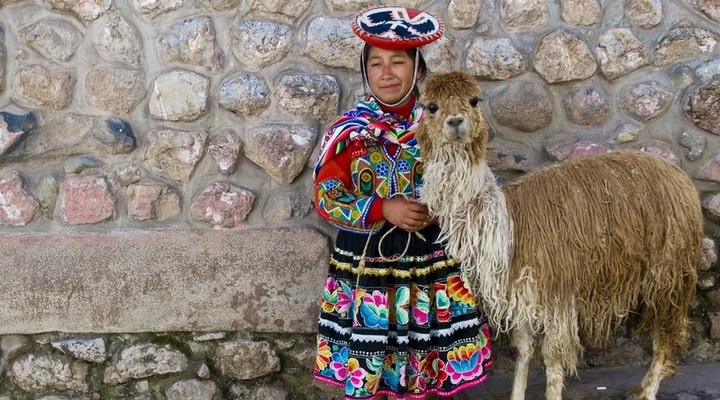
(564, 254)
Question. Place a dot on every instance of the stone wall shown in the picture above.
(182, 118)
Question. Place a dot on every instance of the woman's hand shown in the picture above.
(406, 214)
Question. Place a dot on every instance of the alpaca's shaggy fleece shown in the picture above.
(568, 251)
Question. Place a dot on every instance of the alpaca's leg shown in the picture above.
(555, 374)
(522, 340)
(660, 367)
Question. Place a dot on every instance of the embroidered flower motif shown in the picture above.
(343, 298)
(403, 165)
(485, 346)
(458, 290)
(416, 376)
(394, 371)
(464, 363)
(339, 363)
(355, 376)
(374, 310)
(376, 158)
(374, 370)
(402, 305)
(323, 355)
(420, 304)
(329, 298)
(382, 168)
(442, 305)
(359, 294)
(434, 369)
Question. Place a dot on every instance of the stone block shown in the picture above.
(258, 280)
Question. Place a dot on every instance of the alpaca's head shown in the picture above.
(452, 120)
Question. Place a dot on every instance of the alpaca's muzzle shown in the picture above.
(455, 127)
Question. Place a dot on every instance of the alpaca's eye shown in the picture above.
(474, 101)
(432, 107)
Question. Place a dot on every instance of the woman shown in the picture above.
(397, 319)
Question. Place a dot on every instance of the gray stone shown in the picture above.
(711, 204)
(286, 206)
(571, 148)
(17, 206)
(225, 147)
(91, 350)
(587, 106)
(149, 9)
(9, 344)
(710, 170)
(55, 39)
(620, 52)
(115, 40)
(644, 13)
(47, 193)
(193, 389)
(647, 100)
(508, 156)
(685, 42)
(695, 143)
(191, 41)
(209, 336)
(281, 150)
(124, 175)
(441, 54)
(41, 373)
(244, 94)
(62, 135)
(709, 255)
(330, 40)
(258, 43)
(86, 199)
(37, 86)
(710, 8)
(86, 11)
(714, 318)
(702, 106)
(222, 5)
(144, 360)
(523, 105)
(311, 95)
(709, 70)
(681, 76)
(289, 8)
(463, 14)
(662, 149)
(174, 153)
(203, 372)
(277, 391)
(222, 205)
(581, 12)
(524, 14)
(563, 57)
(625, 133)
(245, 359)
(179, 96)
(115, 90)
(152, 201)
(77, 164)
(706, 281)
(349, 5)
(494, 58)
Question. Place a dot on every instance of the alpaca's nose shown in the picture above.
(455, 121)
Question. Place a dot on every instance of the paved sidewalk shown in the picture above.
(692, 382)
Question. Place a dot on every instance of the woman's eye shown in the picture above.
(474, 101)
(432, 107)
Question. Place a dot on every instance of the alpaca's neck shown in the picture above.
(474, 222)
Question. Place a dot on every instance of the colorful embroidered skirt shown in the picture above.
(405, 328)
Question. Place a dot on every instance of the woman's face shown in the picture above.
(390, 74)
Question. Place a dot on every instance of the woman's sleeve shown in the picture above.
(336, 202)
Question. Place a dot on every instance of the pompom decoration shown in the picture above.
(397, 28)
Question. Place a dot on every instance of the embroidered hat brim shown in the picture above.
(397, 28)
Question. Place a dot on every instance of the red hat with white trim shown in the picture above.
(397, 28)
